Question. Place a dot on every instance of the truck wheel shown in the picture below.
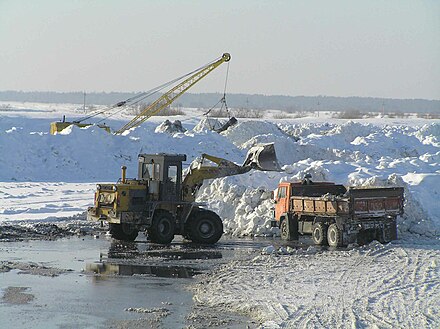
(319, 234)
(162, 228)
(334, 236)
(124, 232)
(285, 230)
(206, 227)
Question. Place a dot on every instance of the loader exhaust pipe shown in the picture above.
(124, 171)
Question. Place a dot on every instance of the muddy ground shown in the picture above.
(73, 275)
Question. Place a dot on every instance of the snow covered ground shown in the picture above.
(47, 200)
(375, 286)
(43, 177)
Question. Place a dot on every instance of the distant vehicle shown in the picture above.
(335, 215)
(162, 201)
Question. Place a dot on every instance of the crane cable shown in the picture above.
(131, 101)
(140, 97)
(222, 101)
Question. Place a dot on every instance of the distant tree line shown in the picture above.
(242, 101)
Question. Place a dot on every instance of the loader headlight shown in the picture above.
(114, 188)
(98, 186)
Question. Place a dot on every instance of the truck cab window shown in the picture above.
(282, 192)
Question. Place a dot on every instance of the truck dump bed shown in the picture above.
(330, 206)
(322, 198)
(357, 202)
(376, 202)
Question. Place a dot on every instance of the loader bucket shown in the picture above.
(262, 157)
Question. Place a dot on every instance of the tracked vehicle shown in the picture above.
(162, 201)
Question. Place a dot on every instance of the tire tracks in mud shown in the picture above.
(401, 293)
(390, 286)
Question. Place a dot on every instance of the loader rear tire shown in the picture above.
(319, 234)
(162, 228)
(334, 236)
(124, 232)
(205, 227)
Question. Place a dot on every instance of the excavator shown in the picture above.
(189, 80)
(161, 201)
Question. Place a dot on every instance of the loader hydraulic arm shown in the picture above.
(259, 157)
(198, 172)
(171, 95)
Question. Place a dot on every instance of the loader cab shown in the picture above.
(163, 175)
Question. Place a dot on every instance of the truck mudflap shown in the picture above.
(384, 230)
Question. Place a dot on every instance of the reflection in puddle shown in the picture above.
(185, 254)
(129, 270)
(130, 250)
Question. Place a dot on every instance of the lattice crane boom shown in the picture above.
(171, 95)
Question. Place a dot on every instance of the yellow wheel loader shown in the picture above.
(162, 201)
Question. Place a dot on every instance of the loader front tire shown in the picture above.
(162, 228)
(205, 227)
(124, 232)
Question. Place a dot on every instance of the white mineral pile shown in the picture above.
(37, 166)
(352, 154)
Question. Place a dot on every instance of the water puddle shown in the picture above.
(130, 250)
(162, 271)
(92, 270)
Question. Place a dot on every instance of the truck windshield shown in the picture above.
(282, 192)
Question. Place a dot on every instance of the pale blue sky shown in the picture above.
(338, 48)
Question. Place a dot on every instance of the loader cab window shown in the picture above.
(172, 174)
(151, 171)
(171, 183)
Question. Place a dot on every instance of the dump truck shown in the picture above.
(162, 199)
(335, 215)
